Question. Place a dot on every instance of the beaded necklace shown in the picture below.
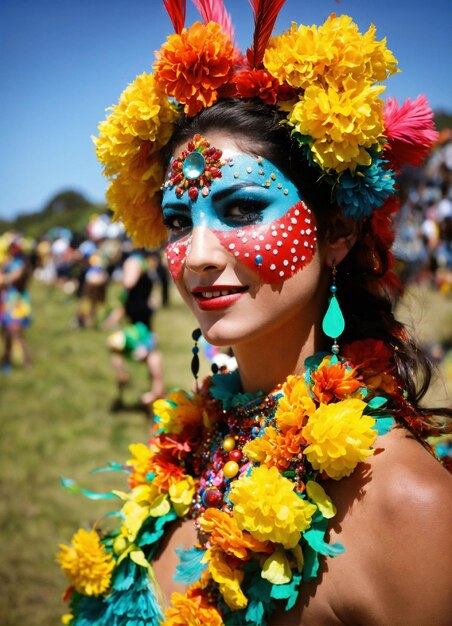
(248, 468)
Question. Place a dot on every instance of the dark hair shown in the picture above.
(366, 305)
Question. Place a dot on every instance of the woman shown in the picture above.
(250, 486)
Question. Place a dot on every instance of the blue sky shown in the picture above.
(62, 62)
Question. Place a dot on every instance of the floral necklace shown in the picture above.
(247, 468)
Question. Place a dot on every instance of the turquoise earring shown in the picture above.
(333, 323)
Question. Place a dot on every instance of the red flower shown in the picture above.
(375, 361)
(410, 131)
(261, 84)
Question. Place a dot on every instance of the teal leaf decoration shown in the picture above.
(383, 425)
(71, 487)
(333, 323)
(377, 402)
(288, 591)
(155, 529)
(315, 538)
(190, 567)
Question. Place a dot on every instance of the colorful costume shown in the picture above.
(208, 452)
(15, 305)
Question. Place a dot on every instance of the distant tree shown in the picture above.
(66, 201)
(443, 119)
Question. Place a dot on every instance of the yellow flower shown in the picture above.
(181, 495)
(342, 122)
(86, 563)
(326, 55)
(178, 411)
(140, 462)
(274, 513)
(142, 502)
(316, 493)
(228, 579)
(297, 56)
(128, 146)
(295, 404)
(339, 437)
(276, 568)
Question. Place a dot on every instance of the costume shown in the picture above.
(15, 305)
(207, 454)
(248, 468)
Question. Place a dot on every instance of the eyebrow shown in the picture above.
(221, 194)
(218, 196)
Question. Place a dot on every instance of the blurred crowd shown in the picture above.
(423, 245)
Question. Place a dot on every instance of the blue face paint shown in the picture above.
(250, 191)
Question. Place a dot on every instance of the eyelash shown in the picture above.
(250, 210)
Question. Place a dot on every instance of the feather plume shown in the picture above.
(265, 14)
(176, 9)
(215, 11)
(410, 131)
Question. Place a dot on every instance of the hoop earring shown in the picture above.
(196, 334)
(333, 323)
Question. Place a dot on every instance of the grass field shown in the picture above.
(55, 420)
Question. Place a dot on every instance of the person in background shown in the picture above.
(15, 305)
(137, 341)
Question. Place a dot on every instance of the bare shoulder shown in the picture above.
(400, 506)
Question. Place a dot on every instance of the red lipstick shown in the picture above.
(215, 297)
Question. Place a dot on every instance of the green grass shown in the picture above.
(55, 420)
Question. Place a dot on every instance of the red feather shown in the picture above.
(215, 11)
(176, 10)
(265, 14)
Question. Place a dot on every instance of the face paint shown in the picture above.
(246, 206)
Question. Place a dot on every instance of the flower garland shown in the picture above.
(327, 80)
(207, 454)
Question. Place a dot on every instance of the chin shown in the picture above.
(221, 333)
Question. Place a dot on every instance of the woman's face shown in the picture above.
(243, 248)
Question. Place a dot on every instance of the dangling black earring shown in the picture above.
(333, 323)
(196, 334)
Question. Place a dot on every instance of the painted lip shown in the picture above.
(214, 297)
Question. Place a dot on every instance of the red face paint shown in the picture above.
(275, 251)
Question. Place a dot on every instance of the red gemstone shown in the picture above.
(193, 193)
(212, 498)
(235, 455)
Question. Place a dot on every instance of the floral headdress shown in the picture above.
(327, 80)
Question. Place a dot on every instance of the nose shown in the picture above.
(205, 252)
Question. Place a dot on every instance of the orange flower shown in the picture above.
(375, 361)
(194, 64)
(166, 474)
(295, 405)
(192, 609)
(275, 449)
(224, 533)
(334, 381)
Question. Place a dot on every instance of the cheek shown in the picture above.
(175, 254)
(278, 250)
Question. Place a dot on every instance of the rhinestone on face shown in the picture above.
(194, 165)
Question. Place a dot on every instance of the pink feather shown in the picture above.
(215, 11)
(265, 14)
(176, 10)
(410, 131)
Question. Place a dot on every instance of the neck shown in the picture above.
(266, 362)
